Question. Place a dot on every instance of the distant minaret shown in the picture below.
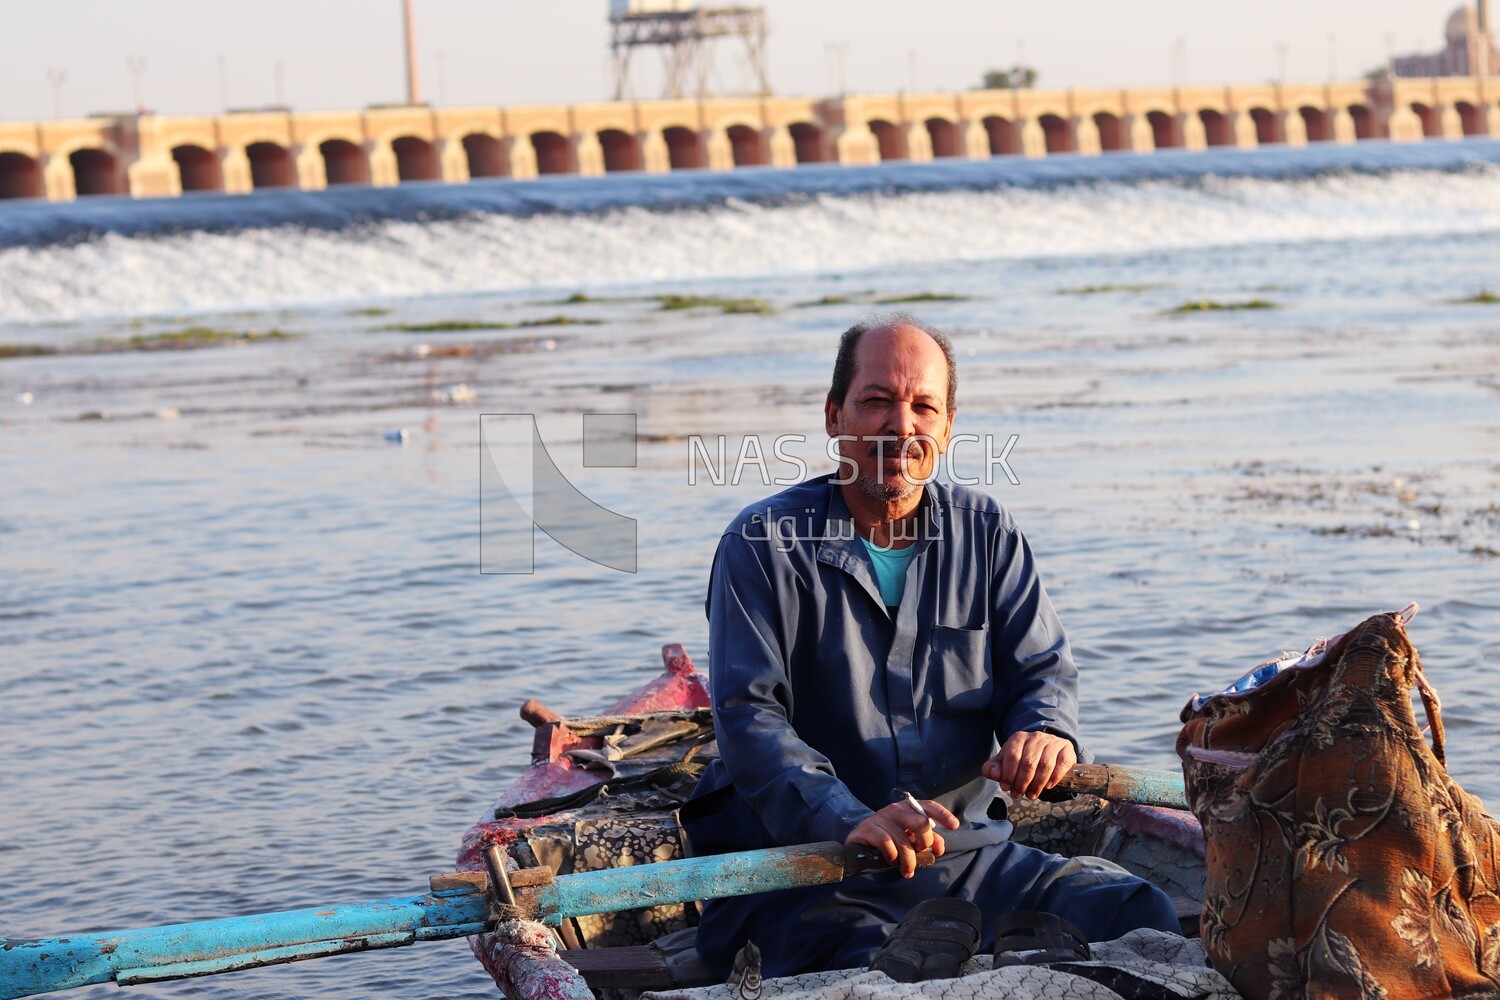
(413, 84)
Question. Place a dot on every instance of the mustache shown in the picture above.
(881, 445)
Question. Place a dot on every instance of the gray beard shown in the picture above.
(880, 492)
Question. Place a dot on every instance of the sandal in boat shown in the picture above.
(1028, 937)
(933, 941)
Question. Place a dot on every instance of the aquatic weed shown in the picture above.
(1212, 305)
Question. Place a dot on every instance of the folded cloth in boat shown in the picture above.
(1173, 965)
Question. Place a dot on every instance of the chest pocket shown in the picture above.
(958, 669)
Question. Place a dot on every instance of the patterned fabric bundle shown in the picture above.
(1343, 861)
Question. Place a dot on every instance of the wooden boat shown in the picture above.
(587, 841)
(602, 792)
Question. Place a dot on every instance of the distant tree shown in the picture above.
(1015, 78)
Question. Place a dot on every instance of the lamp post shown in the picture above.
(57, 77)
(137, 66)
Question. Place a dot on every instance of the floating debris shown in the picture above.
(398, 436)
(25, 398)
(168, 413)
(421, 350)
(459, 395)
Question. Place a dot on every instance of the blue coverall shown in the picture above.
(826, 701)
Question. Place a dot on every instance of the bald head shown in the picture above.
(878, 336)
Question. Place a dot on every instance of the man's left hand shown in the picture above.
(1030, 763)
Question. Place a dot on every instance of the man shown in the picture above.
(871, 632)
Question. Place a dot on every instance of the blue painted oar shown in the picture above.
(459, 904)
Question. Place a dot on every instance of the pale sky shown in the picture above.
(348, 53)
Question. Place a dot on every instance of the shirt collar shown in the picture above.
(841, 548)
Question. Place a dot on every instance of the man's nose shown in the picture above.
(901, 421)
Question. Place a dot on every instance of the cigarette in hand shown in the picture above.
(911, 801)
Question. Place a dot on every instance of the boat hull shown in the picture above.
(603, 792)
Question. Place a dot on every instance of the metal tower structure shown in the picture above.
(685, 33)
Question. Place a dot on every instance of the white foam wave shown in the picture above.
(122, 275)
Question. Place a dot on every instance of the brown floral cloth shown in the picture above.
(1343, 861)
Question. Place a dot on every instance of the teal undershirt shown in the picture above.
(890, 570)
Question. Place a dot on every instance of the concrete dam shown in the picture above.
(149, 155)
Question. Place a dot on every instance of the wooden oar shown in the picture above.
(460, 904)
(1139, 785)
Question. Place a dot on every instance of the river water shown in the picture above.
(248, 660)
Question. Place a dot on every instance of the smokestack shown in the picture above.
(413, 84)
(1485, 45)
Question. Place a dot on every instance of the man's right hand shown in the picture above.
(898, 833)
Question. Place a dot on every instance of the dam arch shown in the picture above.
(197, 168)
(1366, 124)
(96, 171)
(271, 165)
(746, 147)
(416, 159)
(946, 138)
(485, 155)
(1218, 130)
(1004, 137)
(20, 176)
(684, 148)
(888, 139)
(1267, 128)
(1432, 122)
(1470, 118)
(809, 143)
(1057, 133)
(1317, 122)
(1164, 133)
(344, 162)
(622, 151)
(1114, 137)
(554, 153)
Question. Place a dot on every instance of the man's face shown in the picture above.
(894, 421)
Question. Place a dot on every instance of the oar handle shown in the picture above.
(859, 859)
(1139, 785)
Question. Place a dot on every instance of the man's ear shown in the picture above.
(831, 416)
